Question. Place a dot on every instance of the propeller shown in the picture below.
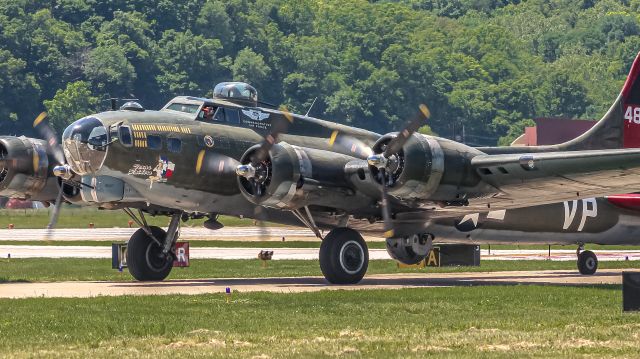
(49, 135)
(257, 171)
(61, 170)
(417, 121)
(259, 166)
(387, 161)
(278, 127)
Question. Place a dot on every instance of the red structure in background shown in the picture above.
(14, 203)
(552, 130)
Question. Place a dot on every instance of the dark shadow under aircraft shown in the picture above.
(200, 157)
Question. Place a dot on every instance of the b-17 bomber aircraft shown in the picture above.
(200, 157)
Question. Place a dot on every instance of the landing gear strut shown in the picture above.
(587, 261)
(344, 257)
(150, 250)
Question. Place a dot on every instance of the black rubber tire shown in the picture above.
(144, 256)
(587, 263)
(344, 256)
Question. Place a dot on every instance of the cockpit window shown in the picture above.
(184, 107)
(206, 114)
(229, 115)
(98, 138)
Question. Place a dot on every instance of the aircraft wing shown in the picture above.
(531, 179)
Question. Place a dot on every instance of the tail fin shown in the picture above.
(620, 126)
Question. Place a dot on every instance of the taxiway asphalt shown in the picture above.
(35, 251)
(82, 289)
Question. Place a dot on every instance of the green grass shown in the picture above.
(192, 244)
(74, 217)
(46, 269)
(462, 322)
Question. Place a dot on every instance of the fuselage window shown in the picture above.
(154, 142)
(125, 136)
(184, 107)
(174, 145)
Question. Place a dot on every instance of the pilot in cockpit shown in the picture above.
(206, 114)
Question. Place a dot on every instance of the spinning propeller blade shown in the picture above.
(418, 120)
(393, 148)
(49, 135)
(279, 125)
(53, 220)
(386, 209)
(53, 147)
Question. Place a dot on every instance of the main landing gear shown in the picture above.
(587, 261)
(151, 250)
(344, 256)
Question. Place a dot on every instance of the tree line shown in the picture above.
(488, 66)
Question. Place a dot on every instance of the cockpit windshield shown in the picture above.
(85, 144)
(184, 107)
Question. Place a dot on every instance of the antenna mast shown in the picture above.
(310, 107)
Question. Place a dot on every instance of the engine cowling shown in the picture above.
(25, 169)
(416, 171)
(292, 177)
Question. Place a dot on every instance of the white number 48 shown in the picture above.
(632, 114)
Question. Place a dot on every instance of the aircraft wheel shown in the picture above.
(587, 262)
(344, 256)
(145, 259)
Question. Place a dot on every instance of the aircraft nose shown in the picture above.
(85, 145)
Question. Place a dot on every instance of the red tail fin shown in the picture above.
(631, 106)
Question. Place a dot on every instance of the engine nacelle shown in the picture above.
(416, 170)
(293, 177)
(411, 249)
(24, 169)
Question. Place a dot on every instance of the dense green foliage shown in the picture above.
(491, 66)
